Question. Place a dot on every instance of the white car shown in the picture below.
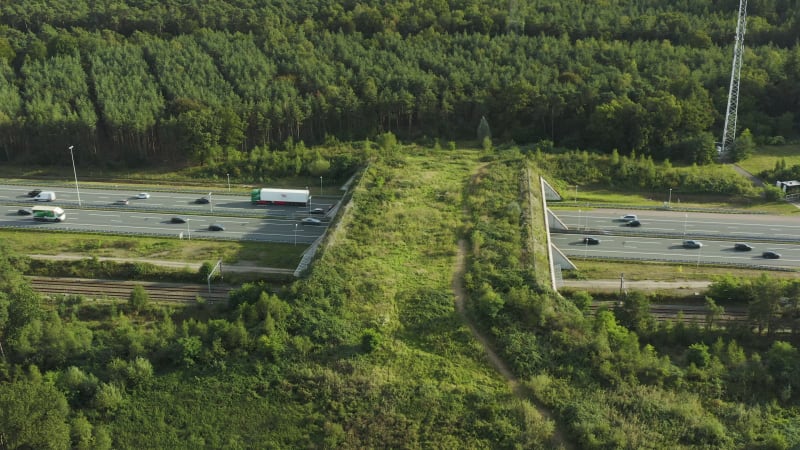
(311, 221)
(143, 195)
(628, 218)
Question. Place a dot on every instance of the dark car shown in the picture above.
(34, 192)
(202, 201)
(318, 211)
(24, 212)
(771, 255)
(121, 202)
(692, 244)
(742, 247)
(591, 240)
(633, 223)
(177, 220)
(216, 227)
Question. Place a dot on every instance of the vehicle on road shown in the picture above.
(48, 214)
(122, 202)
(34, 192)
(742, 247)
(216, 227)
(317, 211)
(633, 223)
(311, 221)
(203, 201)
(24, 212)
(771, 255)
(692, 244)
(628, 218)
(143, 195)
(46, 196)
(268, 196)
(177, 220)
(588, 240)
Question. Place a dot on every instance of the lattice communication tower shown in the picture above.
(729, 132)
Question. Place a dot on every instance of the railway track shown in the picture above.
(686, 312)
(112, 289)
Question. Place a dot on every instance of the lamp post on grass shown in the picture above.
(75, 172)
(229, 182)
(669, 200)
(320, 185)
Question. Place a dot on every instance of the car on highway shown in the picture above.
(216, 227)
(311, 221)
(317, 211)
(24, 212)
(771, 255)
(177, 219)
(143, 195)
(742, 247)
(202, 201)
(588, 240)
(34, 192)
(692, 244)
(122, 202)
(628, 218)
(633, 223)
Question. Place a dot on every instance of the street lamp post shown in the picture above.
(295, 234)
(576, 194)
(685, 218)
(229, 181)
(210, 202)
(75, 172)
(669, 200)
(320, 185)
(188, 233)
(580, 219)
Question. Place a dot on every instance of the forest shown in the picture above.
(209, 82)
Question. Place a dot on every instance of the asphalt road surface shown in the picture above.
(665, 249)
(689, 224)
(221, 203)
(241, 219)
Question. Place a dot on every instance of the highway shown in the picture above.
(221, 203)
(689, 224)
(241, 220)
(661, 234)
(670, 249)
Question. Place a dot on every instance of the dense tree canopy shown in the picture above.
(188, 80)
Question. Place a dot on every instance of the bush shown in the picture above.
(371, 340)
(138, 299)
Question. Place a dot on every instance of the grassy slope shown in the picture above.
(766, 157)
(89, 245)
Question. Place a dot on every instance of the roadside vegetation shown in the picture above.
(138, 247)
(618, 378)
(590, 269)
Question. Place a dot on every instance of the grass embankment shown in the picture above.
(765, 158)
(136, 247)
(589, 269)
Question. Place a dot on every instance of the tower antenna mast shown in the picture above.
(729, 132)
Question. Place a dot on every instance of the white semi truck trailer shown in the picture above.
(268, 196)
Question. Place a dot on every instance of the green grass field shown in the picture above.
(100, 245)
(766, 157)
